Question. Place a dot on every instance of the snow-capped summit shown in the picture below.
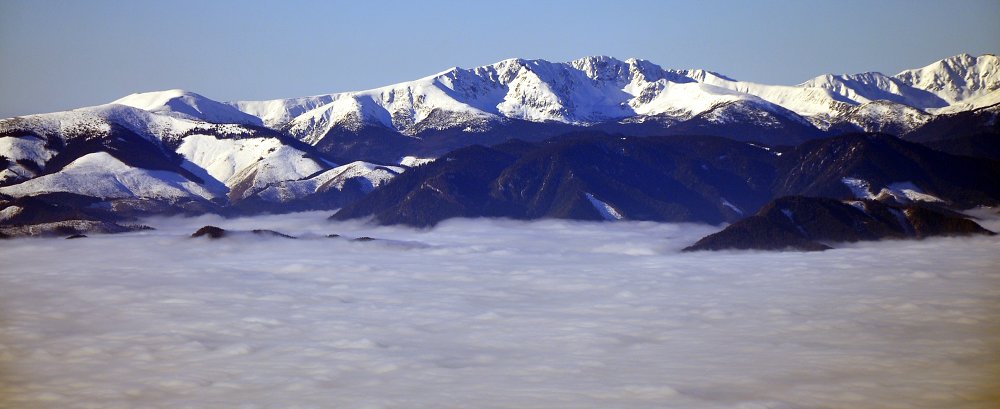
(956, 79)
(604, 68)
(188, 105)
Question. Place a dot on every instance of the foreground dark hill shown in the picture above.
(660, 178)
(810, 223)
(672, 178)
(692, 178)
(970, 133)
(870, 165)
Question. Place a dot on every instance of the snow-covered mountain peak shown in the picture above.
(602, 68)
(634, 71)
(958, 78)
(962, 61)
(651, 72)
(188, 105)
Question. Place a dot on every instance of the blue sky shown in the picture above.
(57, 55)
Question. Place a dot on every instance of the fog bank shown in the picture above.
(492, 314)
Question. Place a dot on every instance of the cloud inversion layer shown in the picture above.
(491, 314)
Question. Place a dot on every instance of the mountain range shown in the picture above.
(588, 139)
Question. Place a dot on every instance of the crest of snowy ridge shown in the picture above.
(188, 105)
(599, 89)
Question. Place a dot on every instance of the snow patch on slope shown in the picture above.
(731, 206)
(860, 188)
(903, 192)
(908, 192)
(607, 211)
(413, 161)
(10, 212)
(26, 148)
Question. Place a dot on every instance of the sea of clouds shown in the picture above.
(492, 314)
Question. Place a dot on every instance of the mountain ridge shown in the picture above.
(678, 178)
(592, 90)
(535, 122)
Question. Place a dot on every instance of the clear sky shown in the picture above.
(57, 55)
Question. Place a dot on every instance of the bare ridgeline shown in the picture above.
(839, 158)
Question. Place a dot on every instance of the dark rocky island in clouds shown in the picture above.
(592, 139)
